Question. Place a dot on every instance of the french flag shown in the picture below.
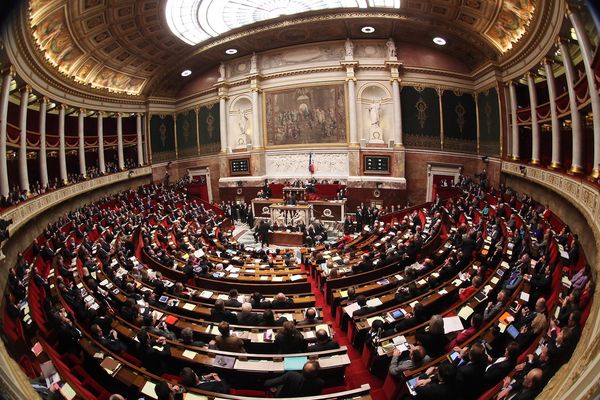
(311, 166)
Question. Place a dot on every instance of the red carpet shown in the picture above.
(356, 373)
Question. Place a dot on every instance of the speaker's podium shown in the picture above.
(289, 216)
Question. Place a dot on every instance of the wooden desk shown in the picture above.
(283, 238)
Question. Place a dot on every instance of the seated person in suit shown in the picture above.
(187, 338)
(211, 382)
(218, 313)
(246, 316)
(527, 390)
(470, 372)
(226, 342)
(290, 340)
(268, 319)
(416, 358)
(258, 301)
(110, 341)
(439, 386)
(500, 367)
(281, 301)
(233, 299)
(310, 317)
(152, 352)
(166, 391)
(364, 309)
(324, 342)
(419, 315)
(293, 383)
(435, 340)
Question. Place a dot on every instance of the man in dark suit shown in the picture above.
(527, 390)
(324, 342)
(470, 371)
(218, 313)
(364, 309)
(233, 299)
(292, 383)
(247, 317)
(281, 301)
(500, 367)
(440, 386)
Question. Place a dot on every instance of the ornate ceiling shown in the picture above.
(126, 46)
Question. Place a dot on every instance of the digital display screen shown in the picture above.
(377, 164)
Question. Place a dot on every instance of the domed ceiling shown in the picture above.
(139, 47)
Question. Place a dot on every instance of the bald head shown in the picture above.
(246, 308)
(533, 379)
(311, 369)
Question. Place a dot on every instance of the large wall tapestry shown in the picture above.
(460, 121)
(162, 138)
(209, 124)
(314, 114)
(420, 117)
(187, 143)
(489, 122)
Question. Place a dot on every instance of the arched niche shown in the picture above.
(239, 132)
(375, 113)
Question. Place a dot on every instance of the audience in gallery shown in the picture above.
(16, 195)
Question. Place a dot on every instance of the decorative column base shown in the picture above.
(595, 174)
(515, 158)
(534, 162)
(575, 170)
(555, 165)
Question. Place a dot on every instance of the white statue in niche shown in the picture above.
(349, 47)
(391, 49)
(375, 134)
(243, 124)
(221, 71)
(253, 63)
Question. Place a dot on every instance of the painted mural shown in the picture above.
(306, 115)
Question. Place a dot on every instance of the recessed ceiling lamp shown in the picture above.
(186, 72)
(231, 51)
(440, 41)
(367, 29)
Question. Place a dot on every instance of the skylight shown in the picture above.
(195, 21)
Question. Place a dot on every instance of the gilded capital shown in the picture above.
(44, 99)
(26, 89)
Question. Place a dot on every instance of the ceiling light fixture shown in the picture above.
(231, 51)
(440, 41)
(186, 72)
(367, 29)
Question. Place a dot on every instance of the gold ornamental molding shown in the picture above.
(579, 377)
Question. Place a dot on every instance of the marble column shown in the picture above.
(138, 132)
(397, 113)
(514, 124)
(535, 126)
(120, 156)
(6, 81)
(576, 126)
(81, 141)
(23, 173)
(352, 110)
(223, 122)
(62, 155)
(101, 165)
(588, 57)
(42, 155)
(553, 115)
(256, 131)
(508, 120)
